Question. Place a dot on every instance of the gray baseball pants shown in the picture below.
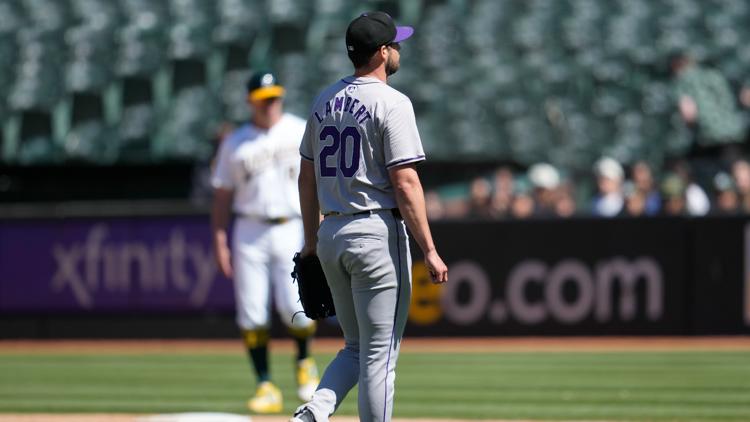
(368, 266)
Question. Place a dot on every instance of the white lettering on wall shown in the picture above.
(122, 267)
(567, 292)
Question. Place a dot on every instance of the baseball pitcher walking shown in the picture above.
(359, 153)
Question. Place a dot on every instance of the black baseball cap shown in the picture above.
(371, 30)
(263, 85)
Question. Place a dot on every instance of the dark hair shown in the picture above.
(360, 59)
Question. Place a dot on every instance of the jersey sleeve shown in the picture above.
(305, 148)
(401, 142)
(222, 174)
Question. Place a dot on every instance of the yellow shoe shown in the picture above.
(267, 399)
(307, 379)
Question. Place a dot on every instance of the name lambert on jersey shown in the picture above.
(344, 104)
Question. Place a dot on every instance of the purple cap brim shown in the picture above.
(403, 32)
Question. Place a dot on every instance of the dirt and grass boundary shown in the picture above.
(431, 345)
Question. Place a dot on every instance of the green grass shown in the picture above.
(653, 386)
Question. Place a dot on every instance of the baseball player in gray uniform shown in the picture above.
(359, 153)
(255, 178)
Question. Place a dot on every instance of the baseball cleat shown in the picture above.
(307, 379)
(267, 399)
(303, 415)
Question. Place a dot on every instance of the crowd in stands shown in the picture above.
(713, 178)
(635, 191)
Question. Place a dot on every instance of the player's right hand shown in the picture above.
(436, 267)
(224, 261)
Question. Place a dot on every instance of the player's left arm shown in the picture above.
(411, 204)
(308, 202)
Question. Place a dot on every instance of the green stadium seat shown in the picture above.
(47, 15)
(234, 95)
(289, 12)
(137, 122)
(91, 142)
(191, 31)
(656, 98)
(188, 127)
(84, 75)
(677, 140)
(35, 143)
(238, 21)
(431, 126)
(91, 43)
(89, 138)
(531, 80)
(142, 38)
(529, 139)
(292, 71)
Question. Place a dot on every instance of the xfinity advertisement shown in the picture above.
(110, 265)
(573, 277)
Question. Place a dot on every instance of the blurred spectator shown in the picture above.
(609, 200)
(636, 202)
(502, 192)
(434, 205)
(480, 193)
(674, 190)
(565, 205)
(706, 103)
(643, 183)
(523, 203)
(741, 178)
(545, 180)
(726, 200)
(696, 199)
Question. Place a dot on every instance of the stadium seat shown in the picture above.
(289, 12)
(238, 22)
(191, 31)
(529, 139)
(137, 122)
(36, 144)
(141, 38)
(47, 15)
(38, 83)
(519, 75)
(234, 95)
(188, 127)
(89, 138)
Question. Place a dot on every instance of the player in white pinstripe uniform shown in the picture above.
(256, 179)
(359, 153)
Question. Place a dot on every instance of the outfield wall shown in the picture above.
(155, 277)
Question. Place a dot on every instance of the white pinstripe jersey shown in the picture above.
(261, 167)
(358, 128)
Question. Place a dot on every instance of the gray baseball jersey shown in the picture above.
(358, 128)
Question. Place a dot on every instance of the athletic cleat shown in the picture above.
(267, 399)
(307, 379)
(303, 415)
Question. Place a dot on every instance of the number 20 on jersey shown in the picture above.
(344, 148)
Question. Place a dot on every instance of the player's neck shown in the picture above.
(266, 123)
(377, 72)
